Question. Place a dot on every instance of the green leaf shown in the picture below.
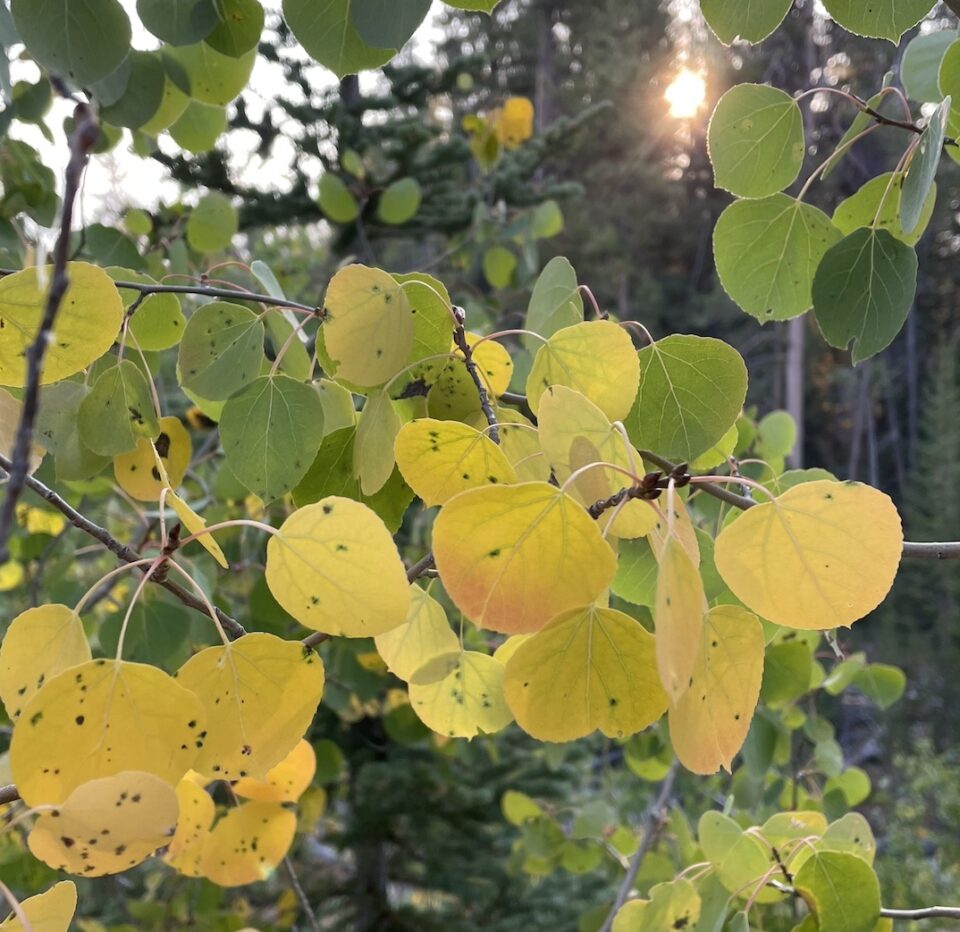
(755, 140)
(118, 411)
(864, 206)
(143, 95)
(498, 266)
(400, 202)
(852, 835)
(673, 905)
(691, 392)
(336, 200)
(739, 860)
(882, 683)
(776, 435)
(271, 432)
(158, 322)
(178, 22)
(636, 579)
(199, 127)
(296, 358)
(58, 430)
(213, 78)
(920, 67)
(555, 303)
(786, 673)
(387, 23)
(373, 457)
(221, 350)
(879, 19)
(767, 252)
(212, 224)
(863, 291)
(480, 6)
(432, 323)
(752, 22)
(860, 122)
(82, 39)
(841, 890)
(923, 168)
(239, 28)
(949, 76)
(546, 220)
(325, 30)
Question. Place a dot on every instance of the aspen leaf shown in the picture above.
(259, 694)
(731, 20)
(425, 634)
(438, 459)
(107, 826)
(740, 860)
(40, 643)
(680, 527)
(98, 719)
(454, 394)
(50, 911)
(879, 199)
(851, 834)
(674, 905)
(196, 814)
(513, 122)
(678, 615)
(460, 695)
(520, 444)
(882, 19)
(286, 781)
(822, 555)
(841, 890)
(194, 523)
(136, 472)
(513, 557)
(373, 457)
(86, 326)
(118, 411)
(248, 843)
(334, 566)
(588, 669)
(709, 723)
(368, 331)
(10, 410)
(596, 358)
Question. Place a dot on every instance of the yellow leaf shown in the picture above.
(50, 911)
(285, 782)
(513, 557)
(87, 324)
(334, 566)
(509, 647)
(98, 719)
(248, 843)
(438, 459)
(368, 331)
(373, 458)
(590, 668)
(680, 528)
(10, 410)
(596, 358)
(520, 443)
(136, 472)
(460, 695)
(194, 523)
(424, 635)
(107, 826)
(197, 811)
(40, 643)
(11, 575)
(678, 615)
(574, 433)
(40, 521)
(513, 122)
(710, 722)
(454, 395)
(822, 555)
(260, 694)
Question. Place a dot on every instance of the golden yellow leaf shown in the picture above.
(10, 410)
(98, 719)
(136, 472)
(678, 616)
(40, 643)
(260, 694)
(460, 695)
(513, 122)
(11, 575)
(596, 358)
(710, 722)
(194, 523)
(197, 812)
(424, 635)
(513, 557)
(285, 782)
(438, 459)
(574, 433)
(248, 843)
(590, 668)
(368, 331)
(334, 566)
(40, 520)
(822, 555)
(107, 826)
(50, 911)
(87, 324)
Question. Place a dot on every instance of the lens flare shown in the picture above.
(686, 94)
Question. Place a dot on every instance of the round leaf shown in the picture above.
(50, 911)
(136, 472)
(879, 19)
(424, 635)
(212, 224)
(400, 202)
(920, 66)
(751, 22)
(841, 890)
(879, 200)
(286, 781)
(118, 411)
(336, 200)
(248, 843)
(178, 22)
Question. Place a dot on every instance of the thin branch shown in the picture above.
(420, 568)
(460, 338)
(927, 912)
(123, 552)
(305, 906)
(651, 829)
(8, 794)
(81, 143)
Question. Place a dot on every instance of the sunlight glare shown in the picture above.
(686, 94)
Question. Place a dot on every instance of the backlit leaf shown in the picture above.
(213, 78)
(336, 199)
(400, 201)
(923, 168)
(864, 206)
(424, 635)
(212, 223)
(751, 22)
(335, 568)
(881, 19)
(555, 302)
(513, 557)
(50, 911)
(248, 843)
(590, 668)
(822, 555)
(454, 395)
(920, 66)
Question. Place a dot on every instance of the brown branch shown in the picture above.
(420, 568)
(122, 551)
(460, 338)
(81, 143)
(8, 794)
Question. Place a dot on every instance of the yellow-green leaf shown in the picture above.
(194, 524)
(373, 457)
(424, 635)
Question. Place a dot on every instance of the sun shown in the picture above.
(686, 94)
